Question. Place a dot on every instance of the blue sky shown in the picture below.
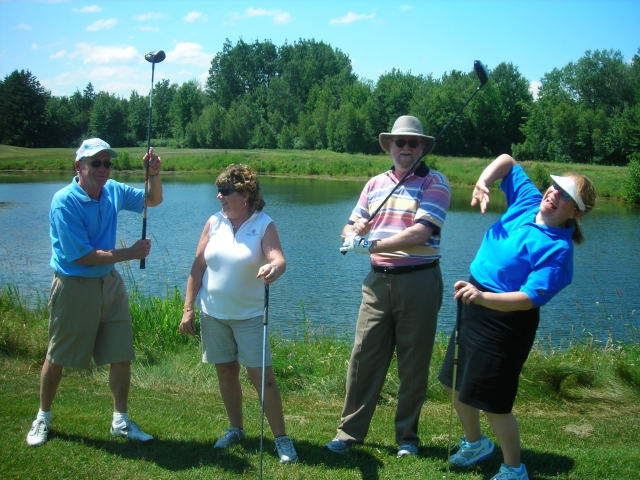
(67, 44)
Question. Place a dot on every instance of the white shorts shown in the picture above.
(224, 341)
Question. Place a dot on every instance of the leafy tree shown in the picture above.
(163, 94)
(209, 126)
(241, 69)
(109, 119)
(307, 63)
(138, 119)
(61, 130)
(23, 103)
(186, 107)
(237, 129)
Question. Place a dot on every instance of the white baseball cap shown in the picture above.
(92, 146)
(568, 184)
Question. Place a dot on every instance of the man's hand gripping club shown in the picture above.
(355, 243)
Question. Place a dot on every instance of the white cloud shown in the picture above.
(148, 29)
(35, 46)
(60, 54)
(404, 8)
(188, 53)
(89, 9)
(150, 16)
(350, 18)
(23, 26)
(102, 24)
(534, 87)
(92, 54)
(192, 17)
(279, 16)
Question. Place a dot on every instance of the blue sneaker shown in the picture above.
(337, 446)
(468, 455)
(510, 473)
(407, 450)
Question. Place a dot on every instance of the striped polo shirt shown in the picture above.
(424, 197)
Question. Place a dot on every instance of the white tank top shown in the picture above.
(230, 289)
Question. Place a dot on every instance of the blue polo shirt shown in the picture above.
(80, 224)
(519, 255)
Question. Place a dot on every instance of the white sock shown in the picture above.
(119, 418)
(45, 415)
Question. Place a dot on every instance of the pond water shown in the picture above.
(322, 285)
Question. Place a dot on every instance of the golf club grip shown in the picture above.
(265, 318)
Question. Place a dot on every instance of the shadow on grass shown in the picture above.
(173, 455)
(177, 455)
(547, 465)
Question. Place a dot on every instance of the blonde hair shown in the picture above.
(244, 180)
(587, 191)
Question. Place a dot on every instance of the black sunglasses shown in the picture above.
(401, 142)
(563, 193)
(226, 191)
(96, 164)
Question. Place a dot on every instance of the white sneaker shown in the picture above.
(131, 430)
(286, 452)
(231, 436)
(39, 432)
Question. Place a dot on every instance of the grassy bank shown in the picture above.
(578, 410)
(326, 164)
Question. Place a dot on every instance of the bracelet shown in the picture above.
(188, 309)
(155, 175)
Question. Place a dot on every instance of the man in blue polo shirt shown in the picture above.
(88, 303)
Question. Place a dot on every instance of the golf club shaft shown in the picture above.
(146, 168)
(265, 322)
(456, 333)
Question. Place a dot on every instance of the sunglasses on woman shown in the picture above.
(96, 164)
(226, 191)
(401, 142)
(565, 196)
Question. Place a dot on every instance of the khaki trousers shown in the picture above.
(398, 312)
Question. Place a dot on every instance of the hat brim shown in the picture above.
(385, 138)
(569, 185)
(94, 151)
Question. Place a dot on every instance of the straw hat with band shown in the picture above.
(406, 125)
(569, 185)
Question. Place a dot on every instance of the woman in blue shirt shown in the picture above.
(526, 257)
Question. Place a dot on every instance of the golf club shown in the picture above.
(265, 322)
(483, 76)
(152, 57)
(456, 333)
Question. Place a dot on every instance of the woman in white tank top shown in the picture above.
(238, 254)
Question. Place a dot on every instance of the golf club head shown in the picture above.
(481, 72)
(155, 57)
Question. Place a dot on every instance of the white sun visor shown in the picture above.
(569, 185)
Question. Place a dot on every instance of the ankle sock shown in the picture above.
(119, 418)
(45, 415)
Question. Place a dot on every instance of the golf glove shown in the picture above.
(355, 243)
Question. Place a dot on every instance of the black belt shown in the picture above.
(405, 268)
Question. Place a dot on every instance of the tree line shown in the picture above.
(305, 96)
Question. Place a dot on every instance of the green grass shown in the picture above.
(609, 181)
(577, 407)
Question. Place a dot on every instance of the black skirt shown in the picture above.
(492, 348)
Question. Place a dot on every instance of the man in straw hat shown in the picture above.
(402, 294)
(88, 305)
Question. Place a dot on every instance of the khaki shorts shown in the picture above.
(224, 341)
(89, 318)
